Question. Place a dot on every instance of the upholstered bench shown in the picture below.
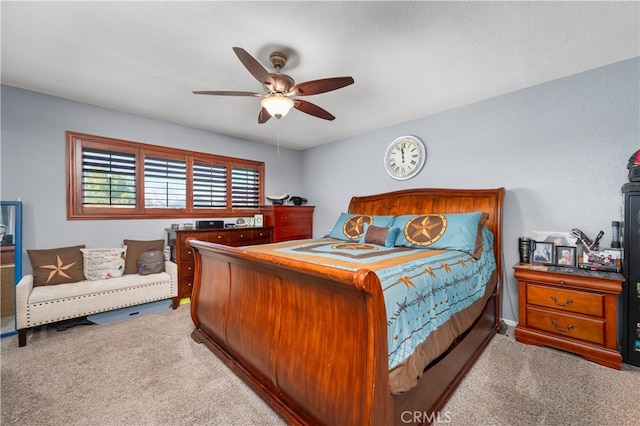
(47, 304)
(72, 282)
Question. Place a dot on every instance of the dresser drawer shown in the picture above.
(558, 323)
(218, 237)
(187, 268)
(292, 217)
(566, 300)
(186, 253)
(185, 285)
(281, 233)
(260, 236)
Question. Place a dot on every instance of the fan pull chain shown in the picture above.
(278, 140)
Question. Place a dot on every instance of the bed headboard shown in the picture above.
(438, 200)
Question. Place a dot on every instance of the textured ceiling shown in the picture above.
(408, 59)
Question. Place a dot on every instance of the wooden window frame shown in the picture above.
(76, 142)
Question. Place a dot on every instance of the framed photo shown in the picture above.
(542, 253)
(556, 237)
(566, 255)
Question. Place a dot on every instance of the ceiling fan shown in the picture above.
(279, 87)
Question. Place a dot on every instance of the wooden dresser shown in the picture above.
(289, 222)
(183, 255)
(575, 312)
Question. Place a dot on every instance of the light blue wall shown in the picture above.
(33, 165)
(560, 149)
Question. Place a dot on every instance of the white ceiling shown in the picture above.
(408, 59)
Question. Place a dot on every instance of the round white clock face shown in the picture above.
(405, 157)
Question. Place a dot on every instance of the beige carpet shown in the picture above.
(147, 371)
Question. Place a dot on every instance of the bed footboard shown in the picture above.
(288, 330)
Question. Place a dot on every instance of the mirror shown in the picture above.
(10, 263)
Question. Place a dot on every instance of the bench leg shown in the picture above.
(22, 337)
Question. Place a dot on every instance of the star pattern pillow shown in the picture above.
(57, 265)
(350, 227)
(439, 231)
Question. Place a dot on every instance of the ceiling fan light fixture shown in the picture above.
(277, 105)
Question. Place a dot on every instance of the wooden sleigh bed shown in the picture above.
(312, 339)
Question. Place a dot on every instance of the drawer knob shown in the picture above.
(555, 324)
(555, 300)
(561, 282)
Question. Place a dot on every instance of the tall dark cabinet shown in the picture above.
(631, 272)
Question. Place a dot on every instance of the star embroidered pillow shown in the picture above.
(350, 227)
(439, 231)
(56, 266)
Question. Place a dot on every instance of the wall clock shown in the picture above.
(405, 157)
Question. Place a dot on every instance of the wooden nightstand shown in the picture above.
(572, 311)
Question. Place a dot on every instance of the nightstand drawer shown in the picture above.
(566, 300)
(583, 328)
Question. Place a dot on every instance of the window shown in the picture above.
(110, 178)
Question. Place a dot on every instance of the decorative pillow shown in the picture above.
(477, 252)
(135, 248)
(379, 235)
(151, 262)
(439, 231)
(102, 263)
(350, 227)
(57, 265)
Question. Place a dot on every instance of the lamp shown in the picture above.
(277, 105)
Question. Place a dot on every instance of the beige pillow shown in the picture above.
(135, 248)
(102, 263)
(57, 265)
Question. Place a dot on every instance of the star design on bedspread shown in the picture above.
(429, 271)
(59, 269)
(354, 226)
(424, 230)
(406, 281)
(446, 267)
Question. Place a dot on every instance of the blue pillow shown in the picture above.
(439, 231)
(379, 235)
(350, 227)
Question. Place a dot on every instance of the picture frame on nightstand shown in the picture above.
(542, 253)
(566, 256)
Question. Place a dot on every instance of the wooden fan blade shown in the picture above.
(225, 93)
(254, 67)
(312, 109)
(263, 116)
(320, 86)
